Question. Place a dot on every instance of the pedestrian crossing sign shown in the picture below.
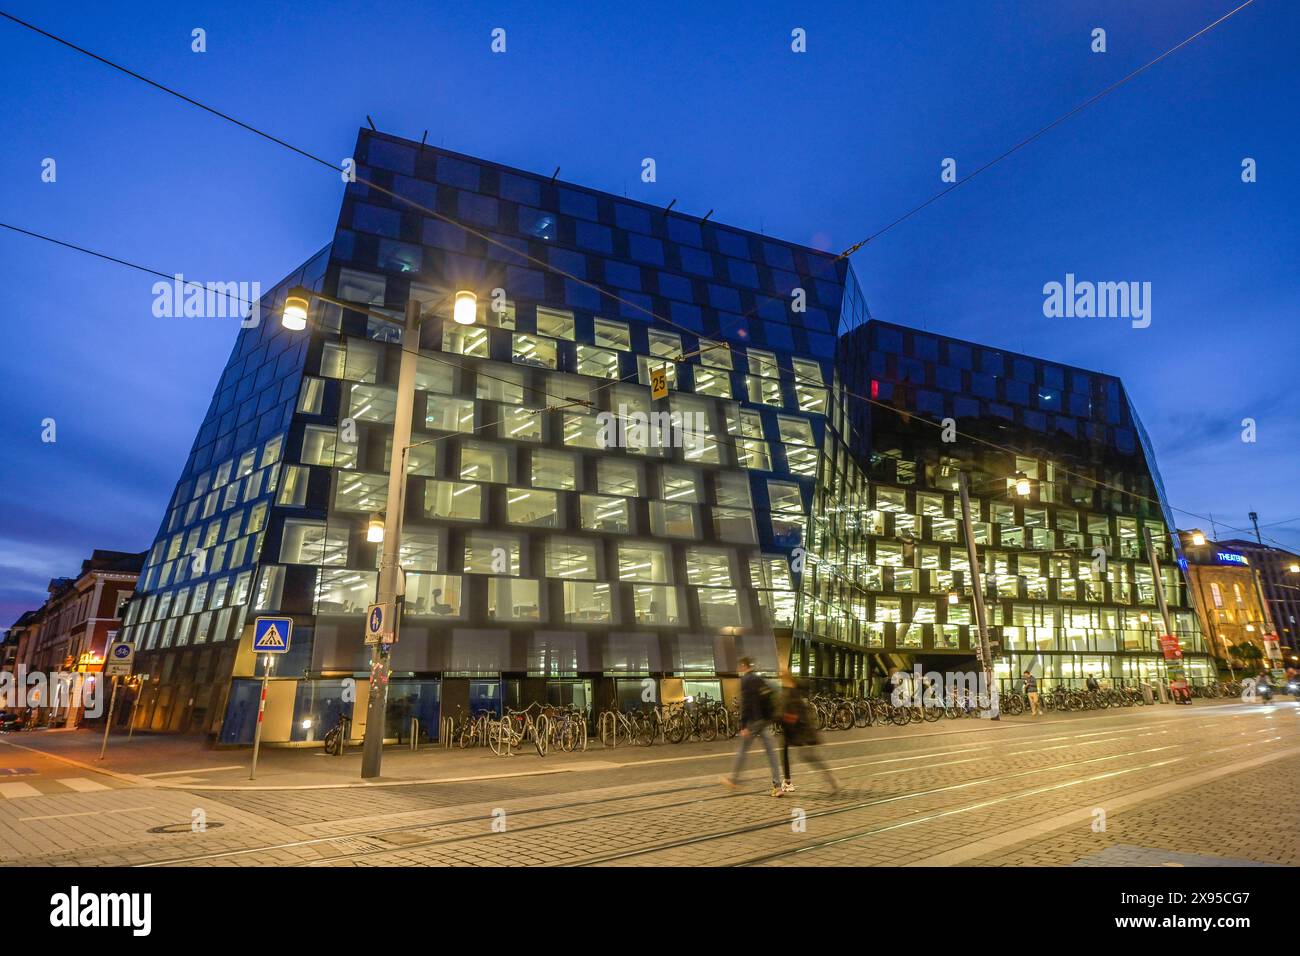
(271, 635)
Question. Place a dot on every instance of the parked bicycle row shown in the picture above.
(567, 729)
(542, 727)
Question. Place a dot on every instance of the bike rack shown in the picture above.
(415, 733)
(445, 726)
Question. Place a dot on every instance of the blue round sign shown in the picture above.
(122, 651)
(376, 620)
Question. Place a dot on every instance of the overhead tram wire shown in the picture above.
(339, 170)
(400, 198)
(429, 355)
(600, 291)
(572, 402)
(488, 238)
(1050, 126)
(230, 296)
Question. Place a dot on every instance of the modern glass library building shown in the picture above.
(805, 517)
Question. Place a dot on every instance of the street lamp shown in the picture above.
(387, 529)
(1022, 484)
(295, 313)
(1198, 539)
(465, 310)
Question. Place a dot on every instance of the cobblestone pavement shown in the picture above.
(1214, 783)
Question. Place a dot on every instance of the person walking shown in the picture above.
(1031, 691)
(798, 730)
(756, 712)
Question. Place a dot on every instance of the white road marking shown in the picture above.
(168, 773)
(12, 791)
(81, 784)
(87, 813)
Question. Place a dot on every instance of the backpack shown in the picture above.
(766, 705)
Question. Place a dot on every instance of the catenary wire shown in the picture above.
(512, 250)
(721, 441)
(1050, 126)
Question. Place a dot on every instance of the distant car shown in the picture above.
(1293, 687)
(10, 721)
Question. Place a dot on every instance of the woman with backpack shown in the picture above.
(799, 731)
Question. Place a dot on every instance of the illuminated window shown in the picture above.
(680, 484)
(587, 602)
(534, 350)
(645, 563)
(556, 323)
(436, 595)
(601, 513)
(498, 384)
(655, 604)
(598, 363)
(293, 490)
(712, 382)
(521, 424)
(513, 599)
(449, 414)
(735, 524)
(454, 500)
(372, 403)
(794, 431)
(765, 391)
(806, 371)
(464, 339)
(491, 553)
(714, 354)
(554, 469)
(615, 476)
(709, 567)
(672, 520)
(357, 491)
(571, 558)
(613, 335)
(810, 400)
(529, 506)
(345, 592)
(582, 431)
(481, 461)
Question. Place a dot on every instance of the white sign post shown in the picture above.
(118, 663)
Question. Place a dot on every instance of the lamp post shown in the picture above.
(387, 531)
(977, 583)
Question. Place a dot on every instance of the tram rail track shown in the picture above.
(1096, 737)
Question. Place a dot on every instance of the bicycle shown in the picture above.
(516, 728)
(336, 736)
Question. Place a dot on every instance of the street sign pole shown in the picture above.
(261, 710)
(134, 704)
(108, 724)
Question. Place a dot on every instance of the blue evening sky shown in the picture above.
(823, 148)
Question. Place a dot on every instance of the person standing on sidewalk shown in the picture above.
(798, 730)
(756, 712)
(1031, 691)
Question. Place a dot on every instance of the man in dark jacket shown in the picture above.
(756, 712)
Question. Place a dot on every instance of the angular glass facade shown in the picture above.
(1069, 588)
(544, 559)
(532, 549)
